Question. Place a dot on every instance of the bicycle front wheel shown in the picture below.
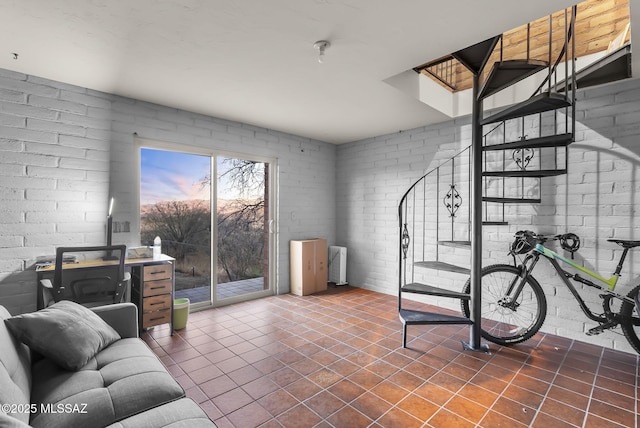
(630, 321)
(507, 320)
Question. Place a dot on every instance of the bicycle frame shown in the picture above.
(611, 282)
(532, 258)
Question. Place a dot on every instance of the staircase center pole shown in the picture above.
(476, 220)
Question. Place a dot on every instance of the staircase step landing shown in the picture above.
(559, 140)
(430, 290)
(534, 173)
(614, 66)
(437, 265)
(409, 317)
(545, 101)
(506, 73)
(456, 244)
(512, 200)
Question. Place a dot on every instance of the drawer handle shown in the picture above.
(155, 304)
(156, 272)
(156, 319)
(157, 288)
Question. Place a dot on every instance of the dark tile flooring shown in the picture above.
(335, 360)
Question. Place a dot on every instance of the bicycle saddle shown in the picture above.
(624, 243)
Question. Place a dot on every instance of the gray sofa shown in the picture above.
(119, 384)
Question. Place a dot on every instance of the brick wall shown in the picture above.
(598, 199)
(65, 149)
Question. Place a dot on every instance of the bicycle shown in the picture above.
(514, 305)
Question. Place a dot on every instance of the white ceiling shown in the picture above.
(253, 61)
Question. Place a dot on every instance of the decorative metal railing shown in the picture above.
(424, 222)
(445, 70)
(435, 211)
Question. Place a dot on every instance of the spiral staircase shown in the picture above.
(513, 149)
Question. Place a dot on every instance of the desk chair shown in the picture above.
(90, 282)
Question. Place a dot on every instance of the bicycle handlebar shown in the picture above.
(526, 241)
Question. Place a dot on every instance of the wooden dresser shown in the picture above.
(152, 291)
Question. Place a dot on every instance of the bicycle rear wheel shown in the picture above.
(507, 320)
(630, 320)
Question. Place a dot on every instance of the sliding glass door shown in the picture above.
(243, 233)
(217, 230)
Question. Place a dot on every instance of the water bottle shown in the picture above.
(157, 247)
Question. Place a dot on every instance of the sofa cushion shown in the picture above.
(7, 421)
(123, 379)
(183, 413)
(65, 332)
(15, 371)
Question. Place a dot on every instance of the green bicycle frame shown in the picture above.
(611, 282)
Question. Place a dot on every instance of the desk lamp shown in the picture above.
(109, 255)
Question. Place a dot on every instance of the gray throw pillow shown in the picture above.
(66, 333)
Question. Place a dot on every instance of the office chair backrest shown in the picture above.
(94, 281)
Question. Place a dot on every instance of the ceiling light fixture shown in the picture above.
(321, 45)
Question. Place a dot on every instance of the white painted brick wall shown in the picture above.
(598, 199)
(43, 168)
(65, 149)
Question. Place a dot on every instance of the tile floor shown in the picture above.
(336, 360)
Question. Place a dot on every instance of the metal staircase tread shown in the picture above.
(511, 200)
(536, 173)
(559, 140)
(417, 288)
(545, 101)
(410, 317)
(476, 56)
(506, 73)
(614, 66)
(448, 267)
(495, 223)
(456, 244)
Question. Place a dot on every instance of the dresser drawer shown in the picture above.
(156, 318)
(156, 303)
(153, 288)
(152, 292)
(155, 272)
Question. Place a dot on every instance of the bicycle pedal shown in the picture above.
(599, 329)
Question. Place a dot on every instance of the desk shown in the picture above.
(152, 286)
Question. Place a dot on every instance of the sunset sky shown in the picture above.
(168, 176)
(175, 176)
